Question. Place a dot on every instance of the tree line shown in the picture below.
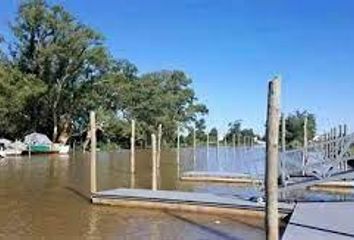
(54, 69)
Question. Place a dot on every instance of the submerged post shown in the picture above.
(207, 146)
(159, 137)
(304, 157)
(234, 145)
(93, 152)
(272, 156)
(132, 148)
(194, 149)
(217, 146)
(154, 162)
(178, 149)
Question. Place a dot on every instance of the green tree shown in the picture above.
(295, 128)
(166, 98)
(235, 128)
(64, 54)
(16, 91)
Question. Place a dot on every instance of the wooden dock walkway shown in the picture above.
(327, 221)
(184, 201)
(223, 177)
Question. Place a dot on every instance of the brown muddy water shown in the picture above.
(43, 198)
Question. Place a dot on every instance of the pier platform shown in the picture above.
(184, 201)
(327, 221)
(223, 177)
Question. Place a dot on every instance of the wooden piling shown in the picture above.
(345, 132)
(178, 150)
(234, 145)
(93, 176)
(154, 162)
(132, 148)
(217, 146)
(159, 137)
(29, 149)
(207, 147)
(272, 157)
(194, 149)
(304, 157)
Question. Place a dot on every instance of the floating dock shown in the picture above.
(222, 177)
(184, 201)
(328, 221)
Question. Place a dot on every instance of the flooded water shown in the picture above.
(45, 197)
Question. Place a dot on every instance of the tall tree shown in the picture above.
(16, 91)
(295, 128)
(60, 51)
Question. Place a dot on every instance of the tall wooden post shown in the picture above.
(345, 132)
(132, 148)
(207, 146)
(159, 137)
(217, 146)
(93, 176)
(272, 157)
(304, 157)
(225, 145)
(178, 150)
(238, 140)
(234, 145)
(194, 149)
(154, 162)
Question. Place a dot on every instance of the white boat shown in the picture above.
(13, 152)
(64, 149)
(2, 153)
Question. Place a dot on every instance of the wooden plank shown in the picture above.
(328, 221)
(185, 201)
(224, 177)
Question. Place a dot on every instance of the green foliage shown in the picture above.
(295, 128)
(17, 90)
(59, 70)
(235, 128)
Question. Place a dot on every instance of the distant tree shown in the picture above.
(295, 128)
(166, 98)
(235, 128)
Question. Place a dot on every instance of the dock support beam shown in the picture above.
(272, 157)
(304, 158)
(207, 146)
(93, 178)
(194, 150)
(132, 149)
(154, 162)
(159, 137)
(178, 150)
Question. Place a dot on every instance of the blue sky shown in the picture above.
(231, 48)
